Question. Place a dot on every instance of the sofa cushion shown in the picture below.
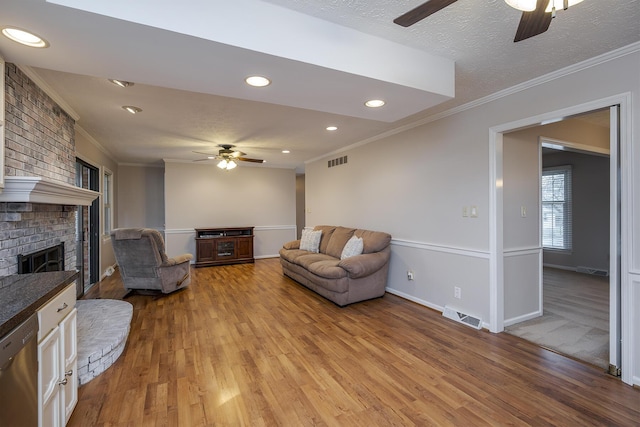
(307, 259)
(353, 247)
(338, 239)
(292, 255)
(310, 240)
(327, 232)
(373, 241)
(328, 269)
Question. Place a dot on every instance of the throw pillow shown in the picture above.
(353, 247)
(310, 240)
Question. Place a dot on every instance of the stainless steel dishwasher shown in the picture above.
(19, 375)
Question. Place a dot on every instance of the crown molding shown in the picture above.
(563, 72)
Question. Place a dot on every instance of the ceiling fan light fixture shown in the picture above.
(374, 103)
(257, 81)
(523, 5)
(560, 4)
(24, 37)
(226, 164)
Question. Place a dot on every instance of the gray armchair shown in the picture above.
(143, 263)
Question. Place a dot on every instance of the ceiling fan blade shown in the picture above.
(246, 159)
(205, 153)
(422, 11)
(533, 23)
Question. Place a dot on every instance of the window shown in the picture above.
(556, 208)
(107, 196)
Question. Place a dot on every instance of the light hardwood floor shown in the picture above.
(244, 345)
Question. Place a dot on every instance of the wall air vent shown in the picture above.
(337, 162)
(463, 318)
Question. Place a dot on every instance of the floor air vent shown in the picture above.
(594, 271)
(463, 318)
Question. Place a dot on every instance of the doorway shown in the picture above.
(87, 229)
(574, 224)
(620, 303)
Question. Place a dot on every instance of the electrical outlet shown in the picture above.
(457, 292)
(410, 275)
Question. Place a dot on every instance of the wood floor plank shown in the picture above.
(244, 345)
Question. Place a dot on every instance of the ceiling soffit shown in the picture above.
(324, 67)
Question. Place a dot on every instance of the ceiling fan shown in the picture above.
(228, 157)
(536, 15)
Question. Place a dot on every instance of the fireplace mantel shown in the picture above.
(32, 189)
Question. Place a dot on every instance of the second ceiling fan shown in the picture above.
(536, 15)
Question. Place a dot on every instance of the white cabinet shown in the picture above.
(57, 359)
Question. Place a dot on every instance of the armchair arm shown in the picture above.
(177, 260)
(365, 264)
(292, 245)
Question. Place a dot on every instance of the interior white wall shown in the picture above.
(200, 196)
(92, 152)
(415, 183)
(300, 204)
(140, 197)
(522, 249)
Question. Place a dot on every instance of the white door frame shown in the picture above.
(496, 247)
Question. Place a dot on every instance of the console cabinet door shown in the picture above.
(245, 247)
(205, 250)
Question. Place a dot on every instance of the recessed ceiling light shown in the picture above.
(24, 37)
(121, 83)
(332, 128)
(374, 103)
(285, 151)
(257, 81)
(132, 109)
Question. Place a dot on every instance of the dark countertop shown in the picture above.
(22, 294)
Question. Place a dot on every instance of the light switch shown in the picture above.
(465, 212)
(474, 212)
(523, 211)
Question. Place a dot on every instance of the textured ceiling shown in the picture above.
(187, 59)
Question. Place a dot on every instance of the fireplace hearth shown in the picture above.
(49, 259)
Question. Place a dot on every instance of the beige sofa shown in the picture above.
(343, 281)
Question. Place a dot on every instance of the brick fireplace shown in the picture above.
(39, 142)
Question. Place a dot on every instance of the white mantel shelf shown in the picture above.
(32, 189)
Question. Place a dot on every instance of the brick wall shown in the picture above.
(39, 141)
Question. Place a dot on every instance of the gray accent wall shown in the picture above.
(590, 184)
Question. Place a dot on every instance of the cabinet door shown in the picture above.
(49, 362)
(225, 249)
(245, 247)
(205, 250)
(69, 358)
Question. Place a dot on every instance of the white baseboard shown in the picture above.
(523, 318)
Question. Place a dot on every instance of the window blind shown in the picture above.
(556, 208)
